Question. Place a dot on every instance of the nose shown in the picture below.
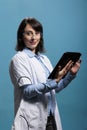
(33, 36)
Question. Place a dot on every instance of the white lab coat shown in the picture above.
(30, 114)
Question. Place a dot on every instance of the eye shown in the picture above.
(37, 32)
(29, 33)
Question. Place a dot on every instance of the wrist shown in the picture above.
(57, 80)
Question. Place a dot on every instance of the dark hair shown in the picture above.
(36, 25)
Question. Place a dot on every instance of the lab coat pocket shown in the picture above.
(20, 122)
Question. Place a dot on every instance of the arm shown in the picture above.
(32, 90)
(57, 84)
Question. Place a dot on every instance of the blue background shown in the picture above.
(65, 29)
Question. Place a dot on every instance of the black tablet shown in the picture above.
(66, 57)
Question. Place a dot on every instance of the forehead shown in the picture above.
(28, 27)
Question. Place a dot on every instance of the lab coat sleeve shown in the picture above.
(19, 73)
(32, 90)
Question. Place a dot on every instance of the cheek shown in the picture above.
(39, 38)
(25, 39)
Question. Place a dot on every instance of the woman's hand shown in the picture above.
(75, 67)
(64, 71)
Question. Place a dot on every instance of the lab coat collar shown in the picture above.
(31, 54)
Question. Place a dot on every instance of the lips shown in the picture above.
(32, 42)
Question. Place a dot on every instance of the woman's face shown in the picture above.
(31, 38)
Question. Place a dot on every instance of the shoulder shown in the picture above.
(46, 61)
(19, 58)
(44, 56)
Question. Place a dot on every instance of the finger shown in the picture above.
(59, 68)
(79, 61)
(69, 65)
(66, 68)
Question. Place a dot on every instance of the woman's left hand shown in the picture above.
(75, 67)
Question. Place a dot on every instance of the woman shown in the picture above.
(34, 94)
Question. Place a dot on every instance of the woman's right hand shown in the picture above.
(64, 71)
